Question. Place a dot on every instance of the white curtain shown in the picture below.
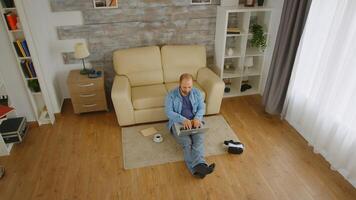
(321, 99)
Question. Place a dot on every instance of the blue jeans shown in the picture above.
(193, 148)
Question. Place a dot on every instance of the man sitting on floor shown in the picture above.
(185, 105)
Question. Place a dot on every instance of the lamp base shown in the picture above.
(84, 72)
(87, 71)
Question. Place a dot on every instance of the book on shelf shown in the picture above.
(32, 68)
(18, 51)
(28, 69)
(21, 48)
(233, 31)
(25, 70)
(8, 3)
(18, 42)
(11, 20)
(25, 47)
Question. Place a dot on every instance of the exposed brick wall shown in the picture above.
(138, 23)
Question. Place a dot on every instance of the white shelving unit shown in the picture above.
(39, 100)
(5, 148)
(237, 74)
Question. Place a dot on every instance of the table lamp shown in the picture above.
(81, 52)
(248, 63)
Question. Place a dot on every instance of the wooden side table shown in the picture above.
(87, 94)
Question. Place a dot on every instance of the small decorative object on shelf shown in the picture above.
(248, 64)
(245, 86)
(227, 89)
(81, 52)
(229, 68)
(258, 40)
(230, 52)
(249, 3)
(227, 82)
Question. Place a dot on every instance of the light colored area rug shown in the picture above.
(140, 151)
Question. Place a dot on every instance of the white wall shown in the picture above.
(277, 6)
(11, 75)
(42, 22)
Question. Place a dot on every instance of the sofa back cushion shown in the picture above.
(177, 60)
(141, 65)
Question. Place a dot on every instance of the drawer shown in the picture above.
(89, 107)
(88, 97)
(84, 87)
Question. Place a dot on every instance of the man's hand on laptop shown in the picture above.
(187, 124)
(196, 123)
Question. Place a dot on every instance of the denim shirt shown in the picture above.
(174, 102)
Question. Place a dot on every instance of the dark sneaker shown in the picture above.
(202, 169)
(198, 175)
(210, 168)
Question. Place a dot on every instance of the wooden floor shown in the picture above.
(80, 157)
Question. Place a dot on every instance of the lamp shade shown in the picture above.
(248, 61)
(81, 51)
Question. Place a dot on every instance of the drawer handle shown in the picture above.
(89, 105)
(87, 95)
(86, 85)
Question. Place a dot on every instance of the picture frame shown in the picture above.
(100, 4)
(200, 2)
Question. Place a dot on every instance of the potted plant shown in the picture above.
(258, 38)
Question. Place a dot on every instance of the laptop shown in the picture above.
(181, 131)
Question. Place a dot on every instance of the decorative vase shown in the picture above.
(230, 52)
(261, 49)
(260, 2)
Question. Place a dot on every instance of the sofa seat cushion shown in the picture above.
(150, 96)
(171, 86)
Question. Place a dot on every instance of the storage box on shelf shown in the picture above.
(237, 62)
(27, 68)
(12, 129)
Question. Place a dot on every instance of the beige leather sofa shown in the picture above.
(145, 75)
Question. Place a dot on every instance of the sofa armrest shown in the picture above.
(214, 89)
(121, 99)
